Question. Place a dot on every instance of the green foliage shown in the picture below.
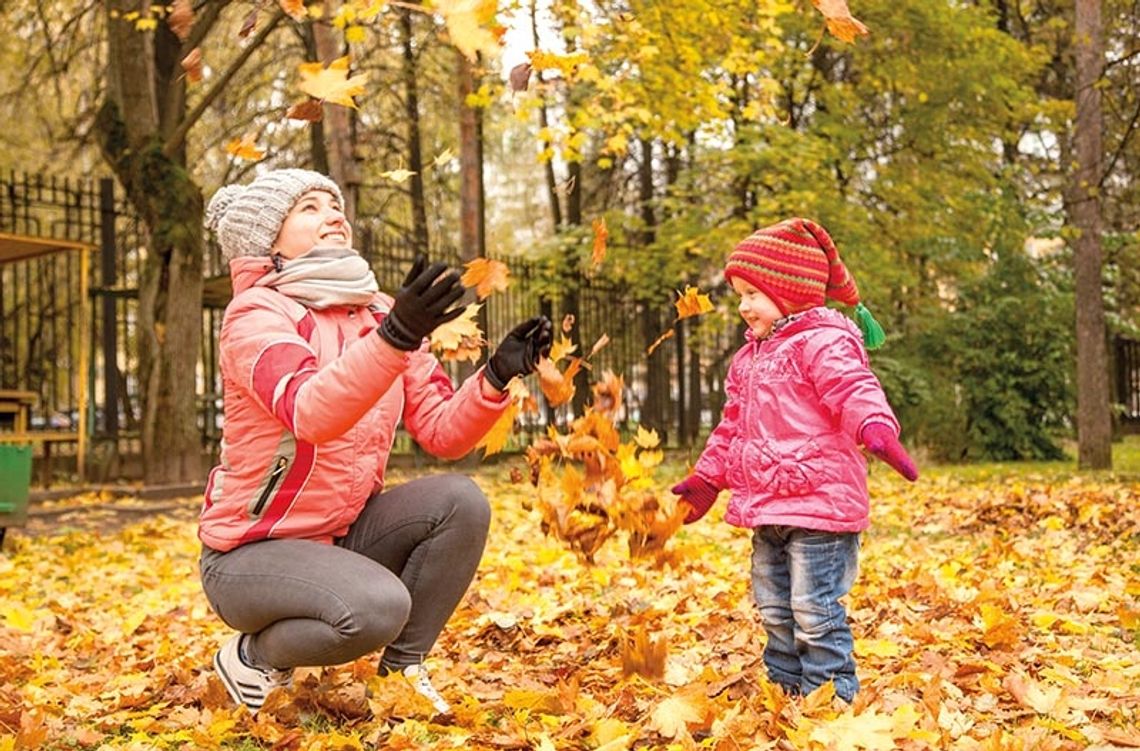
(1008, 355)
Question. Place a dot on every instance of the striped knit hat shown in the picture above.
(797, 265)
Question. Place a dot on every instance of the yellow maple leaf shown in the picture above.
(561, 348)
(486, 276)
(672, 716)
(647, 439)
(870, 730)
(469, 25)
(332, 84)
(400, 175)
(460, 339)
(444, 157)
(245, 148)
(692, 303)
(601, 236)
(496, 438)
(840, 22)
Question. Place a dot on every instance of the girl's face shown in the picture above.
(756, 308)
(315, 219)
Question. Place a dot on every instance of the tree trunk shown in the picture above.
(1094, 417)
(472, 242)
(338, 125)
(420, 237)
(170, 287)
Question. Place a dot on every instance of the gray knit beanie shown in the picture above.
(247, 218)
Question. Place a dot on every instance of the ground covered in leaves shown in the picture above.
(998, 612)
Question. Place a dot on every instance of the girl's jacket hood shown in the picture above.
(787, 444)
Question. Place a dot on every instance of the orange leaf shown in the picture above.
(643, 655)
(608, 394)
(295, 9)
(181, 19)
(331, 84)
(840, 22)
(601, 235)
(558, 387)
(692, 303)
(245, 148)
(496, 438)
(657, 342)
(486, 276)
(307, 109)
(567, 323)
(192, 64)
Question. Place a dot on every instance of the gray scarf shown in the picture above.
(323, 277)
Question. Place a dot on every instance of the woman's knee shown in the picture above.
(469, 505)
(376, 617)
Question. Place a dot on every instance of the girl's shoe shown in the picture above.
(247, 685)
(417, 676)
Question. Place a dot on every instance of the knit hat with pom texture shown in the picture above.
(247, 218)
(796, 264)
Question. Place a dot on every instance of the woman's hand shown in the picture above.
(421, 305)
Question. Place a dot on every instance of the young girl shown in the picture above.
(305, 552)
(801, 400)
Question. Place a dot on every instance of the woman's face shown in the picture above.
(756, 308)
(317, 218)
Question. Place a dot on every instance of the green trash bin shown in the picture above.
(15, 480)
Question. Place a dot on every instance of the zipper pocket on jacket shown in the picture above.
(270, 485)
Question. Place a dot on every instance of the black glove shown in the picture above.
(421, 305)
(519, 352)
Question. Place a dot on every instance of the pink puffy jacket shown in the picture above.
(312, 399)
(787, 445)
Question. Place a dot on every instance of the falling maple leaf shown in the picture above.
(561, 348)
(460, 338)
(658, 341)
(601, 235)
(692, 303)
(469, 25)
(602, 343)
(643, 654)
(443, 158)
(608, 394)
(332, 84)
(557, 386)
(295, 9)
(180, 19)
(486, 276)
(520, 77)
(306, 109)
(245, 148)
(399, 175)
(840, 22)
(192, 65)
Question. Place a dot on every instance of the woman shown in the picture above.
(305, 552)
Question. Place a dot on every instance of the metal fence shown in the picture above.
(674, 391)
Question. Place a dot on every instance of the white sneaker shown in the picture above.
(417, 676)
(246, 685)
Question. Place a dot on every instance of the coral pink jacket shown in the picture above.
(312, 399)
(787, 445)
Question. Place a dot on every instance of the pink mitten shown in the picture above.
(699, 493)
(881, 440)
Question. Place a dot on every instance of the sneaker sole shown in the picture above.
(231, 686)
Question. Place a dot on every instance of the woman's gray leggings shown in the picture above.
(393, 580)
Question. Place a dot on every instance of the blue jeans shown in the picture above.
(798, 578)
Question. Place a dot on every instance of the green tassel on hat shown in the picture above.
(873, 336)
